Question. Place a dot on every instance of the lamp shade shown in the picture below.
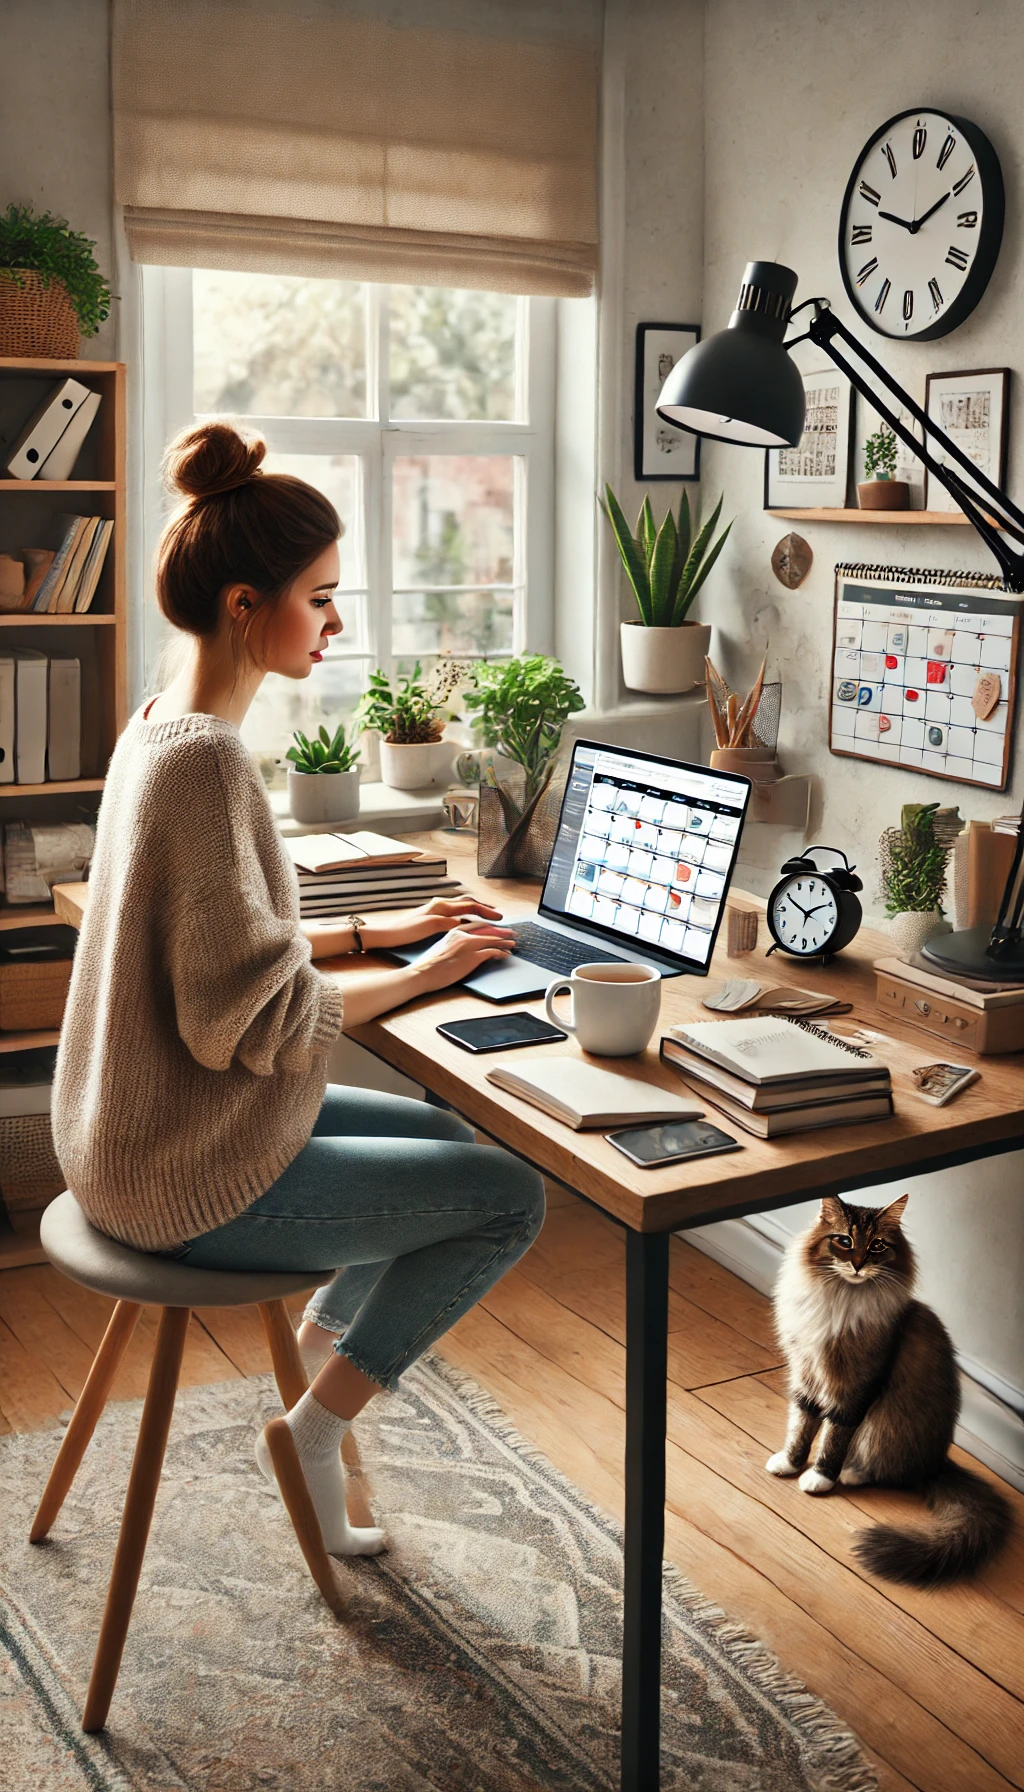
(740, 385)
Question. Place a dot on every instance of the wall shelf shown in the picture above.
(58, 485)
(35, 618)
(52, 787)
(918, 517)
(29, 914)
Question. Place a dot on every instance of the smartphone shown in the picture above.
(672, 1142)
(500, 1032)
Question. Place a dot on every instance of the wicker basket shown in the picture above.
(32, 996)
(30, 1175)
(35, 320)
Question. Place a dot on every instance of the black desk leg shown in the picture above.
(646, 1374)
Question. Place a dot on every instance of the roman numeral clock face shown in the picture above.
(921, 225)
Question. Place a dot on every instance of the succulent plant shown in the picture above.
(324, 753)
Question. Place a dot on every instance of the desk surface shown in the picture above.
(765, 1173)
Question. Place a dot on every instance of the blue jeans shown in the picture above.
(394, 1195)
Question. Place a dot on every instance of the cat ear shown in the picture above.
(832, 1213)
(891, 1215)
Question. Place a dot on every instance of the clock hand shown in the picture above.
(904, 223)
(915, 227)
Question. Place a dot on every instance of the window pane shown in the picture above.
(329, 695)
(338, 477)
(460, 622)
(452, 520)
(452, 353)
(278, 345)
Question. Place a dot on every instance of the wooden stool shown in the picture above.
(136, 1279)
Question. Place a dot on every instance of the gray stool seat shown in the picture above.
(101, 1263)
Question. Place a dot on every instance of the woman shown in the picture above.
(191, 1111)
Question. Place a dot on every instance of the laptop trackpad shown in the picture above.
(498, 980)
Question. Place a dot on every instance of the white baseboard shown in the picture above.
(990, 1427)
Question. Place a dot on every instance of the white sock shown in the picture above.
(316, 1351)
(318, 1433)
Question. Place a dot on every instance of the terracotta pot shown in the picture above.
(912, 930)
(884, 494)
(37, 321)
(664, 659)
(323, 796)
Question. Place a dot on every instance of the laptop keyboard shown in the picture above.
(555, 952)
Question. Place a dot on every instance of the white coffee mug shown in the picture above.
(614, 1007)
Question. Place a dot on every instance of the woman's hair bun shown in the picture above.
(212, 458)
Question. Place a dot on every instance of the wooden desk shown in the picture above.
(986, 1120)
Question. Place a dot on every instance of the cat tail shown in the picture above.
(974, 1521)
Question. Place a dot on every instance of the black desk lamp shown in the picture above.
(741, 386)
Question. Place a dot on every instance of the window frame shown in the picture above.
(377, 440)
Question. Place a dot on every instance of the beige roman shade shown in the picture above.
(440, 142)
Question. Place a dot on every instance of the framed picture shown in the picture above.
(973, 408)
(815, 472)
(659, 451)
(924, 672)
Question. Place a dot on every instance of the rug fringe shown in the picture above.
(810, 1717)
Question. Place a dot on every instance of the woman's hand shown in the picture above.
(462, 950)
(384, 930)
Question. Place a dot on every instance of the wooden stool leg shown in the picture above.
(138, 1512)
(88, 1408)
(290, 1374)
(301, 1511)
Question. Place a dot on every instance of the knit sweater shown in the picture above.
(192, 1060)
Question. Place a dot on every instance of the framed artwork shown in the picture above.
(973, 408)
(924, 671)
(659, 451)
(815, 472)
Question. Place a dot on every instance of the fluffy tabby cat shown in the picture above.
(873, 1385)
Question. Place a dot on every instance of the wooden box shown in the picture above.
(959, 1025)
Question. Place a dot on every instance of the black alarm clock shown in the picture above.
(813, 913)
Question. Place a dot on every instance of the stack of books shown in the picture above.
(774, 1076)
(343, 874)
(65, 582)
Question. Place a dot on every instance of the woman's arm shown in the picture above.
(330, 939)
(463, 950)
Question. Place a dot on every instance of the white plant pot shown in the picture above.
(664, 659)
(425, 766)
(910, 931)
(323, 796)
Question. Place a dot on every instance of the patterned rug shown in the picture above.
(481, 1653)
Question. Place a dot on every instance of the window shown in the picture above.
(425, 414)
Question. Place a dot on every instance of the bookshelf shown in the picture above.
(98, 639)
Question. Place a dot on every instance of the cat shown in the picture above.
(873, 1384)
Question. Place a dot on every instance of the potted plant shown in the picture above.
(51, 290)
(881, 489)
(408, 717)
(323, 781)
(520, 707)
(913, 860)
(662, 650)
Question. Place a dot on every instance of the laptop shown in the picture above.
(639, 871)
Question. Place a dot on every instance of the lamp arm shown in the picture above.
(823, 328)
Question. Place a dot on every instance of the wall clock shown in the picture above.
(813, 913)
(921, 224)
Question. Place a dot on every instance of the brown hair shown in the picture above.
(238, 525)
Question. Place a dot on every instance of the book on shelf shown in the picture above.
(64, 719)
(80, 548)
(40, 717)
(334, 852)
(60, 462)
(43, 430)
(31, 670)
(583, 1096)
(7, 767)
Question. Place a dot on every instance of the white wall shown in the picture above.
(55, 148)
(791, 94)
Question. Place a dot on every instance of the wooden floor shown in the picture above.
(932, 1683)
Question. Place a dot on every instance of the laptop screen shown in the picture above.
(645, 850)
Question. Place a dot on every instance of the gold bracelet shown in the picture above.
(355, 922)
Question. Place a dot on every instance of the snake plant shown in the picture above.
(666, 567)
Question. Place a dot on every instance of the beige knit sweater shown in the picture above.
(193, 1054)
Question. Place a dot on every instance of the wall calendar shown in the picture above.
(924, 671)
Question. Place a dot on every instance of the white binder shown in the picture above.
(44, 428)
(64, 724)
(30, 676)
(60, 462)
(6, 719)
